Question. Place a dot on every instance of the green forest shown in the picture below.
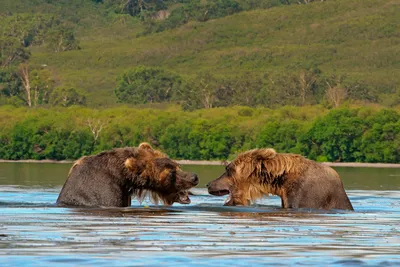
(342, 134)
(200, 79)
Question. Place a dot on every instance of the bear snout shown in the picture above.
(195, 179)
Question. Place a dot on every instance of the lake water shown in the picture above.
(34, 232)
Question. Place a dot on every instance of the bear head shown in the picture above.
(160, 175)
(242, 178)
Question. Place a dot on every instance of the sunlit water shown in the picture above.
(34, 232)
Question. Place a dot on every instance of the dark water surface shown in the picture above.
(33, 232)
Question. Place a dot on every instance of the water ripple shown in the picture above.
(34, 232)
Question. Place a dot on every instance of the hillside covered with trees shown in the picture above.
(219, 76)
(200, 54)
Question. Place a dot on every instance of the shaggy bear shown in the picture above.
(299, 182)
(110, 179)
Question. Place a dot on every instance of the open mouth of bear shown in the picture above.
(184, 200)
(219, 193)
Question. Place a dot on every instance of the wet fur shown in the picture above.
(112, 177)
(301, 183)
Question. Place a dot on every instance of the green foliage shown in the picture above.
(133, 7)
(40, 139)
(273, 41)
(67, 96)
(284, 136)
(42, 85)
(11, 51)
(275, 45)
(381, 142)
(345, 135)
(195, 10)
(12, 89)
(260, 4)
(142, 85)
(205, 91)
(19, 32)
(61, 38)
(221, 8)
(66, 144)
(24, 30)
(10, 83)
(199, 139)
(336, 136)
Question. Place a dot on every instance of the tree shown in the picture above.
(281, 135)
(246, 89)
(278, 90)
(95, 128)
(67, 96)
(336, 136)
(36, 84)
(19, 31)
(381, 141)
(206, 91)
(198, 139)
(143, 84)
(336, 95)
(24, 75)
(221, 8)
(306, 80)
(288, 2)
(134, 7)
(11, 51)
(42, 84)
(10, 83)
(61, 38)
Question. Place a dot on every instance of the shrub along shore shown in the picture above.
(347, 134)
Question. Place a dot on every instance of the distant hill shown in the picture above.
(298, 52)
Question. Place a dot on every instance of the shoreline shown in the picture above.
(221, 163)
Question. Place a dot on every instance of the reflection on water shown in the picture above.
(54, 174)
(33, 232)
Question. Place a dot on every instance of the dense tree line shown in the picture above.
(344, 134)
(184, 11)
(141, 85)
(196, 10)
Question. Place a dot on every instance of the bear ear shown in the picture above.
(224, 163)
(145, 146)
(134, 165)
(264, 154)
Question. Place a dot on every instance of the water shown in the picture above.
(34, 232)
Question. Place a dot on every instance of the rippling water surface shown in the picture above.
(34, 232)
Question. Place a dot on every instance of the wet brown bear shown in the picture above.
(112, 177)
(301, 183)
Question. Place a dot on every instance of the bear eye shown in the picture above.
(171, 173)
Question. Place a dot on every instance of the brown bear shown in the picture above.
(110, 179)
(299, 182)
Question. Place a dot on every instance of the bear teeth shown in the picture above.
(228, 199)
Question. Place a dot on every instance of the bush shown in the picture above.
(67, 96)
(345, 135)
(336, 136)
(142, 85)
